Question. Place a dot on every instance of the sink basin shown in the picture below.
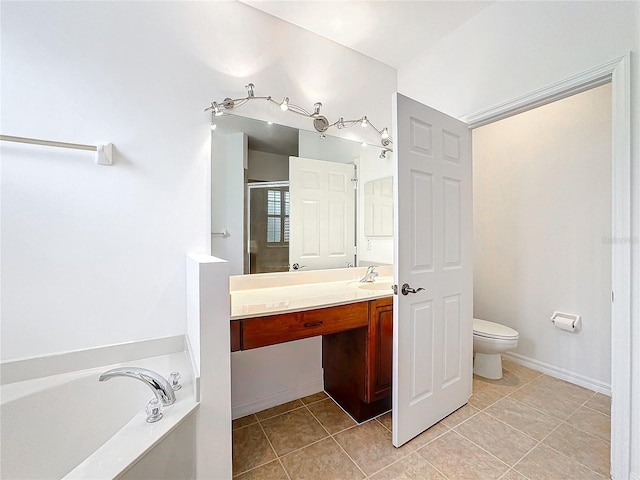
(376, 286)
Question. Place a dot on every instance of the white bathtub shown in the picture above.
(69, 425)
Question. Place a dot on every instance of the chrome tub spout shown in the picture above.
(156, 382)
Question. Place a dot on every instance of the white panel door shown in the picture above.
(433, 327)
(322, 215)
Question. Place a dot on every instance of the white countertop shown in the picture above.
(256, 300)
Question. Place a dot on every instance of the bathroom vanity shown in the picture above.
(354, 319)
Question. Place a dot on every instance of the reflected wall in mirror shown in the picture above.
(288, 198)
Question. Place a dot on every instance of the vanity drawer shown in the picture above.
(263, 331)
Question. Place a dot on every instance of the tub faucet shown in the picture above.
(156, 382)
(370, 276)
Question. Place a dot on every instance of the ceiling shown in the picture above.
(392, 31)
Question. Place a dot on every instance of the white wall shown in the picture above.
(268, 167)
(230, 155)
(542, 231)
(95, 255)
(207, 320)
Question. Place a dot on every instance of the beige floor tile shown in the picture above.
(250, 448)
(244, 421)
(601, 403)
(463, 413)
(500, 440)
(522, 373)
(524, 418)
(331, 416)
(484, 397)
(581, 447)
(369, 445)
(292, 430)
(324, 460)
(507, 384)
(386, 420)
(316, 397)
(279, 409)
(428, 436)
(544, 463)
(411, 467)
(564, 389)
(593, 422)
(513, 475)
(270, 471)
(545, 400)
(421, 440)
(458, 458)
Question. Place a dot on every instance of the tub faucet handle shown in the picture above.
(153, 410)
(175, 378)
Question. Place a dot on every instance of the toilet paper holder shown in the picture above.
(566, 321)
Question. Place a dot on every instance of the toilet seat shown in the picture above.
(486, 329)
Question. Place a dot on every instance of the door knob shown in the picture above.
(406, 289)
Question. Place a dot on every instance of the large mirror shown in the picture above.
(285, 199)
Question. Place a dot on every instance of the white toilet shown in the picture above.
(489, 341)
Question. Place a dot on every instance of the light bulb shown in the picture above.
(284, 106)
(365, 121)
(213, 126)
(385, 133)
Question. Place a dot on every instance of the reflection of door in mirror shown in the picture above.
(378, 208)
(268, 227)
(322, 213)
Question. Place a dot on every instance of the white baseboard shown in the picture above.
(247, 408)
(560, 373)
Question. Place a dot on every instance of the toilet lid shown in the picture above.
(483, 328)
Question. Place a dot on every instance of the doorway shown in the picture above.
(542, 233)
(617, 72)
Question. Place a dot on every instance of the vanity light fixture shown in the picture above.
(213, 121)
(217, 111)
(320, 122)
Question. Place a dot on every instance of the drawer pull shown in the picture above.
(313, 324)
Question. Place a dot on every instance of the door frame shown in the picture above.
(616, 72)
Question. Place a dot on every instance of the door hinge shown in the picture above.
(613, 299)
(395, 289)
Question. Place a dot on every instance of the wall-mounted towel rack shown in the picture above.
(223, 234)
(104, 153)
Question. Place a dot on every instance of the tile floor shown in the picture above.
(525, 426)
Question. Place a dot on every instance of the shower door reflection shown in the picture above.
(268, 227)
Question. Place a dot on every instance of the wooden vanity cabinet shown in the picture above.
(236, 335)
(358, 363)
(379, 349)
(357, 349)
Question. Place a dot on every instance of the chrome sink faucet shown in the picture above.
(157, 383)
(370, 276)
